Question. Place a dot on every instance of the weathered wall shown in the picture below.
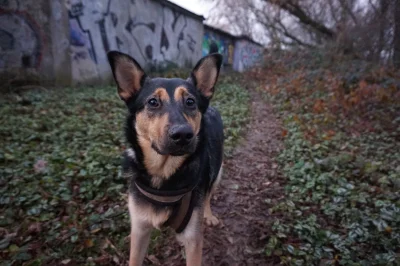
(224, 42)
(247, 54)
(22, 37)
(152, 32)
(66, 41)
(31, 32)
(60, 40)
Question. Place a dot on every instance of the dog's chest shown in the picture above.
(146, 215)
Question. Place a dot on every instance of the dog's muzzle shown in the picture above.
(180, 140)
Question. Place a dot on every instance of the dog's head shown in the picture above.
(167, 112)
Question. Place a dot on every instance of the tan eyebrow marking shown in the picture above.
(162, 94)
(179, 93)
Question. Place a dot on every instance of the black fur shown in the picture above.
(202, 166)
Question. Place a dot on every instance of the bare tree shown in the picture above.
(358, 27)
(396, 42)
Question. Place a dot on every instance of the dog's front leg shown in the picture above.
(194, 251)
(140, 237)
(139, 243)
(192, 238)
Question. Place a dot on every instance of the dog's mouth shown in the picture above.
(175, 150)
(178, 153)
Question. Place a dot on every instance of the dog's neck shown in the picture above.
(159, 167)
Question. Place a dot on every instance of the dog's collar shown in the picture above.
(160, 197)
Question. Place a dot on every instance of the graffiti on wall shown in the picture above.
(154, 34)
(173, 35)
(83, 54)
(161, 43)
(250, 54)
(225, 45)
(21, 40)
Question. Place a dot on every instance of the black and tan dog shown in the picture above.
(174, 162)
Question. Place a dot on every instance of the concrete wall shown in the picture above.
(239, 52)
(60, 39)
(155, 34)
(247, 54)
(25, 46)
(224, 42)
(65, 42)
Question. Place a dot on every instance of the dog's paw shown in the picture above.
(211, 220)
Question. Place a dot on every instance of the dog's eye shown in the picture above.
(190, 102)
(153, 102)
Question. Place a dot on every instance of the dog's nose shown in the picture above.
(181, 134)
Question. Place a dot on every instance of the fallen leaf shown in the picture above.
(65, 262)
(89, 243)
(40, 166)
(318, 106)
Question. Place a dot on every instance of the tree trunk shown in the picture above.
(382, 22)
(396, 42)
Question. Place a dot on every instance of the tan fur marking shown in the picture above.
(209, 217)
(211, 220)
(194, 122)
(143, 216)
(180, 93)
(162, 94)
(152, 131)
(192, 238)
(140, 234)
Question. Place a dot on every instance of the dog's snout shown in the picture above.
(181, 134)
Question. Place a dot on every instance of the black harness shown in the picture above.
(182, 200)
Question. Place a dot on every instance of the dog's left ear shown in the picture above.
(205, 74)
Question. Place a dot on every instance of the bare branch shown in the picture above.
(294, 9)
(349, 11)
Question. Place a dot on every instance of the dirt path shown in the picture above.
(249, 180)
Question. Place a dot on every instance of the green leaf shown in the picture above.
(23, 256)
(290, 248)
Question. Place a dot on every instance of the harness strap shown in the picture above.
(180, 217)
(161, 199)
(166, 193)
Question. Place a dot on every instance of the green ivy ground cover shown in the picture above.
(341, 162)
(62, 196)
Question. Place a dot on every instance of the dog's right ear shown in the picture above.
(205, 74)
(127, 73)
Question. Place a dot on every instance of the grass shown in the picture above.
(341, 162)
(62, 196)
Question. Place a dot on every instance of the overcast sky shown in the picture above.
(199, 7)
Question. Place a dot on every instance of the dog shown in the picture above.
(174, 161)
